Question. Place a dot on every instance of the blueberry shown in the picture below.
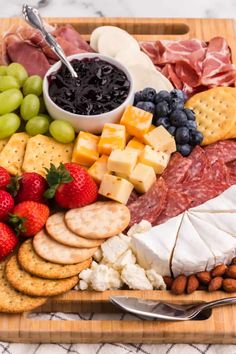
(137, 97)
(184, 149)
(164, 121)
(190, 114)
(196, 138)
(182, 135)
(146, 106)
(177, 103)
(178, 94)
(162, 109)
(172, 130)
(191, 125)
(148, 94)
(162, 96)
(178, 118)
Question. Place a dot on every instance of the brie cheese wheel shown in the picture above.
(191, 254)
(145, 77)
(153, 249)
(131, 57)
(222, 244)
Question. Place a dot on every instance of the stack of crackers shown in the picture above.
(49, 264)
(215, 111)
(22, 153)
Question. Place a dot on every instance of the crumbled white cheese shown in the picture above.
(126, 239)
(134, 276)
(98, 255)
(156, 279)
(94, 265)
(85, 275)
(113, 248)
(125, 259)
(105, 278)
(83, 285)
(139, 228)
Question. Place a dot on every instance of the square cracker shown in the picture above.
(12, 155)
(41, 151)
(215, 111)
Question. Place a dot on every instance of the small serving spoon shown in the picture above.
(161, 310)
(32, 16)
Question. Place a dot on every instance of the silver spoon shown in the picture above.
(33, 17)
(162, 310)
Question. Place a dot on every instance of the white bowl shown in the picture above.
(90, 123)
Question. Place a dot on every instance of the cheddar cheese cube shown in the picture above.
(99, 168)
(122, 161)
(85, 149)
(152, 127)
(136, 120)
(135, 145)
(161, 140)
(115, 188)
(113, 137)
(156, 159)
(142, 177)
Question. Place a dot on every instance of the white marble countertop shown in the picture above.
(135, 8)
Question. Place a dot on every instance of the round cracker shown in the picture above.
(57, 229)
(11, 301)
(98, 220)
(34, 264)
(53, 251)
(34, 286)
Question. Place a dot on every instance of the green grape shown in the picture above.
(3, 70)
(46, 116)
(62, 131)
(29, 107)
(17, 70)
(42, 108)
(10, 100)
(9, 123)
(8, 82)
(37, 125)
(34, 84)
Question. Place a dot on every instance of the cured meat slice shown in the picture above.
(133, 197)
(224, 150)
(176, 170)
(149, 205)
(199, 163)
(217, 173)
(177, 202)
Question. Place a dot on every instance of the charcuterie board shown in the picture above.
(219, 328)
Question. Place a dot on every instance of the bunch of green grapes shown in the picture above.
(21, 97)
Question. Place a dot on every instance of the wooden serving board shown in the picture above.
(219, 328)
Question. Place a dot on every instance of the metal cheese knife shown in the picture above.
(161, 310)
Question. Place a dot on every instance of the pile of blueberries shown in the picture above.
(168, 110)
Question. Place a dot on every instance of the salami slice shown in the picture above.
(177, 202)
(224, 150)
(199, 163)
(133, 197)
(149, 205)
(217, 173)
(176, 170)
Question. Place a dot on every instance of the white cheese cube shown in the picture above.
(156, 279)
(85, 275)
(156, 159)
(105, 278)
(113, 248)
(83, 285)
(122, 161)
(98, 255)
(115, 188)
(134, 276)
(161, 140)
(125, 259)
(142, 226)
(142, 177)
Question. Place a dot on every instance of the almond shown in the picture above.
(229, 285)
(193, 284)
(215, 284)
(233, 260)
(231, 272)
(219, 270)
(168, 281)
(204, 277)
(179, 285)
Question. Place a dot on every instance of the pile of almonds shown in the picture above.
(222, 277)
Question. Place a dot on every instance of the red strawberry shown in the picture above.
(6, 204)
(8, 240)
(31, 187)
(29, 217)
(71, 185)
(4, 178)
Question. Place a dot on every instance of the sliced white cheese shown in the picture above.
(112, 41)
(225, 202)
(146, 77)
(98, 32)
(153, 249)
(223, 221)
(191, 254)
(221, 244)
(131, 57)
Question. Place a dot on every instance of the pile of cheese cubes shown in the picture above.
(126, 155)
